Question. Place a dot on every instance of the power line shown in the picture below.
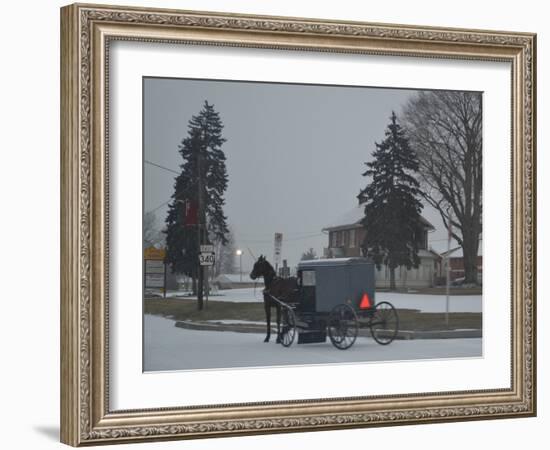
(160, 167)
(287, 234)
(163, 168)
(159, 206)
(438, 240)
(260, 241)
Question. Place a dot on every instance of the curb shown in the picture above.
(401, 334)
(237, 328)
(439, 334)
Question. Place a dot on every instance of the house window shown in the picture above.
(423, 241)
(351, 238)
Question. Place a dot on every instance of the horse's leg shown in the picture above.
(278, 324)
(267, 308)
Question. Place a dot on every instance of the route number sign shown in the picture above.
(207, 258)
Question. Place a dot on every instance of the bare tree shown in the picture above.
(309, 254)
(152, 236)
(445, 128)
(225, 254)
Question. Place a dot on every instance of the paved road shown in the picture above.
(171, 348)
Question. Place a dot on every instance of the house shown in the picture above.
(346, 234)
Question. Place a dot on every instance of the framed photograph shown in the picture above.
(275, 224)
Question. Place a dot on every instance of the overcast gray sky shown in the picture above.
(295, 154)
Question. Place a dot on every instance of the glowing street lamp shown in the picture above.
(239, 253)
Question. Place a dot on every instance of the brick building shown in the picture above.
(346, 234)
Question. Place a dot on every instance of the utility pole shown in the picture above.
(200, 201)
(448, 257)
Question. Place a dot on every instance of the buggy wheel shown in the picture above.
(343, 326)
(288, 327)
(384, 323)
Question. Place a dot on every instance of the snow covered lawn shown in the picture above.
(169, 348)
(425, 303)
(432, 303)
(244, 295)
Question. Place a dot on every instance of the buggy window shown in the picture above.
(308, 278)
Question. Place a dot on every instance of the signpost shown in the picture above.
(154, 271)
(278, 247)
(207, 258)
(284, 271)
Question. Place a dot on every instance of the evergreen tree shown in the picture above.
(392, 206)
(196, 211)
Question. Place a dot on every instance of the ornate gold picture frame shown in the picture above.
(87, 33)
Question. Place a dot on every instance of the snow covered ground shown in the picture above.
(425, 303)
(432, 303)
(171, 348)
(246, 295)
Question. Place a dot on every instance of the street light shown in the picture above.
(239, 253)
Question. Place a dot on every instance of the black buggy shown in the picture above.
(335, 297)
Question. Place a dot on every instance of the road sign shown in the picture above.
(155, 274)
(207, 258)
(154, 266)
(278, 248)
(154, 280)
(207, 248)
(154, 253)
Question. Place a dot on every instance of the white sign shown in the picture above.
(278, 247)
(154, 273)
(154, 266)
(208, 248)
(154, 280)
(207, 258)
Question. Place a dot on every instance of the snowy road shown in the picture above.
(171, 348)
(425, 303)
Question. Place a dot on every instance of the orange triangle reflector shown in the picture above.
(365, 302)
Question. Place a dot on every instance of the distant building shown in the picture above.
(346, 234)
(234, 281)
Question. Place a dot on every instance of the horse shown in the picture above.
(280, 288)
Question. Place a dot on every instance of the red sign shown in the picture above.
(191, 213)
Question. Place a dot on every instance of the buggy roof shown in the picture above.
(332, 262)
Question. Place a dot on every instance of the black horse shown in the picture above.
(281, 288)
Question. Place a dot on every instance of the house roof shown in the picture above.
(353, 217)
(347, 220)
